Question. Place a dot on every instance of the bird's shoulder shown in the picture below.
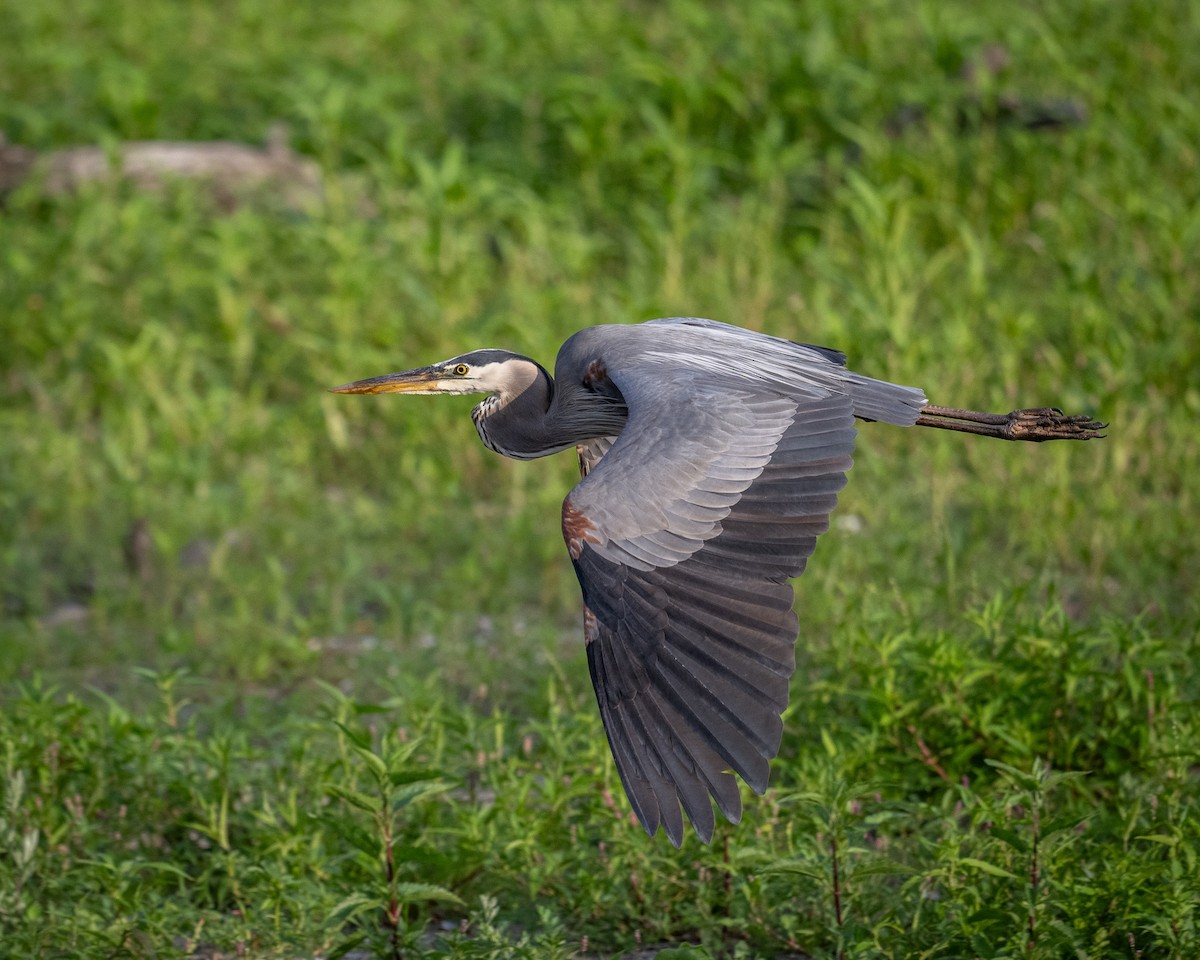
(708, 345)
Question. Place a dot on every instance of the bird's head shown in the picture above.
(481, 371)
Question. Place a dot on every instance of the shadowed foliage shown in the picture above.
(286, 675)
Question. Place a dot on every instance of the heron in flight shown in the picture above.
(711, 457)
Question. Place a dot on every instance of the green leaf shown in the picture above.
(413, 791)
(398, 755)
(881, 867)
(346, 946)
(357, 738)
(982, 946)
(417, 892)
(790, 867)
(352, 906)
(1010, 837)
(372, 760)
(1159, 838)
(364, 708)
(355, 798)
(1023, 779)
(358, 838)
(986, 867)
(401, 777)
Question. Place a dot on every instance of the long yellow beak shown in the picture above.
(424, 380)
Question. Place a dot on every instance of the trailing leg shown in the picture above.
(1036, 424)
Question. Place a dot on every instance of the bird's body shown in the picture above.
(711, 458)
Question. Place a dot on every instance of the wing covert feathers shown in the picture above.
(688, 615)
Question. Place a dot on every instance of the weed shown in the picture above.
(282, 675)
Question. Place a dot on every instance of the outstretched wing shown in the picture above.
(684, 537)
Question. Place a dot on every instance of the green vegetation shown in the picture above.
(284, 673)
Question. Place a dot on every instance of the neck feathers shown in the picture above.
(512, 421)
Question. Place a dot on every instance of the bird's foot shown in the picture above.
(1050, 423)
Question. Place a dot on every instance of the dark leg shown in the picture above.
(1036, 425)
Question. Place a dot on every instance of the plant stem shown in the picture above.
(389, 866)
(837, 887)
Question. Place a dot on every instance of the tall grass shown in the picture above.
(288, 673)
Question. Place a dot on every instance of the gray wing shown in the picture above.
(684, 537)
(762, 358)
(717, 328)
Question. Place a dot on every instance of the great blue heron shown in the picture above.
(711, 458)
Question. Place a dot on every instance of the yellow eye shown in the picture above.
(461, 370)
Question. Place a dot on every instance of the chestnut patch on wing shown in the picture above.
(596, 375)
(578, 529)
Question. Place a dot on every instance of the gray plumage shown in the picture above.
(711, 458)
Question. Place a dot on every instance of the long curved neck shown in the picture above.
(517, 425)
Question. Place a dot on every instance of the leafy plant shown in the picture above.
(282, 674)
(393, 784)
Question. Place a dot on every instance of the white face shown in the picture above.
(473, 378)
(507, 378)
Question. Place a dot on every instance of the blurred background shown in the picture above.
(998, 204)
